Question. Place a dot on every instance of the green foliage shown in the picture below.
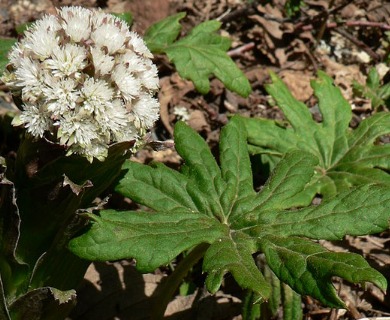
(293, 7)
(346, 157)
(5, 45)
(281, 295)
(125, 16)
(163, 33)
(199, 55)
(43, 303)
(292, 304)
(378, 94)
(250, 307)
(21, 28)
(41, 194)
(216, 204)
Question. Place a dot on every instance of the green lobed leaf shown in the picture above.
(288, 180)
(346, 157)
(332, 136)
(235, 166)
(332, 219)
(200, 167)
(369, 130)
(234, 255)
(163, 33)
(274, 140)
(202, 54)
(162, 185)
(237, 221)
(154, 239)
(296, 112)
(167, 233)
(199, 55)
(308, 268)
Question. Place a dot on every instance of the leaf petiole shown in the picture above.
(166, 291)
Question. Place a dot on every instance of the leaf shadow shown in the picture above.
(118, 291)
(108, 290)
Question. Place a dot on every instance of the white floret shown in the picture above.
(85, 81)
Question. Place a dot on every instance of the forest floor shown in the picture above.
(344, 40)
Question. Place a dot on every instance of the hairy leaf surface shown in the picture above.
(141, 233)
(346, 157)
(213, 203)
(308, 267)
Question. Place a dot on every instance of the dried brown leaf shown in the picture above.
(272, 27)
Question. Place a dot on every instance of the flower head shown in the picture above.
(85, 81)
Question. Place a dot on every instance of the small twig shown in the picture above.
(323, 24)
(363, 24)
(332, 315)
(359, 43)
(373, 241)
(311, 58)
(381, 312)
(237, 14)
(223, 15)
(352, 309)
(310, 20)
(355, 23)
(239, 50)
(320, 311)
(273, 18)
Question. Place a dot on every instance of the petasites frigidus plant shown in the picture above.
(85, 85)
(214, 210)
(346, 157)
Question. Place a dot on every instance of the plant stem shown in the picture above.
(359, 44)
(323, 25)
(166, 291)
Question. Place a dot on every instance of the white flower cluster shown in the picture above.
(85, 80)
